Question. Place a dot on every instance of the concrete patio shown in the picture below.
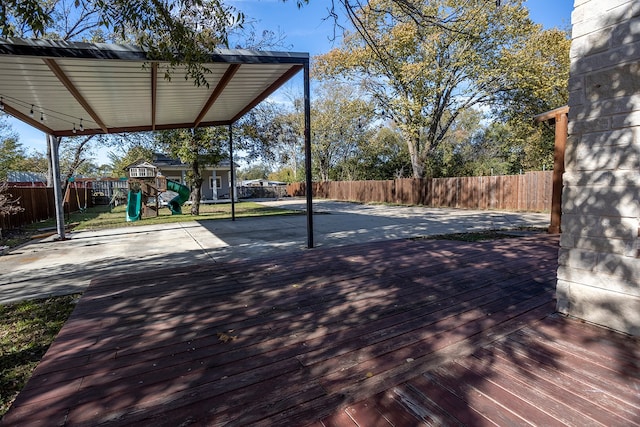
(47, 267)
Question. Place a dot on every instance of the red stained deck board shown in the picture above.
(450, 402)
(608, 347)
(609, 393)
(366, 413)
(602, 374)
(560, 385)
(505, 397)
(418, 405)
(518, 384)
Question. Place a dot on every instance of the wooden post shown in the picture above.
(559, 116)
(558, 169)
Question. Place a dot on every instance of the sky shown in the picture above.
(306, 29)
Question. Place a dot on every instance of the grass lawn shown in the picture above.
(26, 330)
(101, 217)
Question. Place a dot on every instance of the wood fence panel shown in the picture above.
(509, 188)
(528, 192)
(435, 194)
(38, 204)
(363, 193)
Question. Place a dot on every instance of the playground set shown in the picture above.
(145, 187)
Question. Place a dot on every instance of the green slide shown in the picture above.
(175, 204)
(134, 205)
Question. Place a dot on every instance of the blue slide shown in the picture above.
(175, 204)
(134, 205)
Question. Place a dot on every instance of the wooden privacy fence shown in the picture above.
(39, 205)
(528, 192)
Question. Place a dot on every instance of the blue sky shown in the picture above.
(307, 30)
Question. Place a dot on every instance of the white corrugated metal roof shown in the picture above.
(114, 88)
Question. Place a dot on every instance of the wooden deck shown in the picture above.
(402, 333)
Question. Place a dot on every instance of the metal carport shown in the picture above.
(71, 88)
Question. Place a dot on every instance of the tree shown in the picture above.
(8, 205)
(258, 171)
(381, 156)
(272, 133)
(285, 174)
(538, 75)
(179, 31)
(11, 154)
(73, 155)
(199, 148)
(340, 124)
(459, 146)
(34, 162)
(424, 76)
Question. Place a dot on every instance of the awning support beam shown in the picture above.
(222, 84)
(54, 144)
(232, 184)
(307, 155)
(55, 68)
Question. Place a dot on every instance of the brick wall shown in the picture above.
(599, 273)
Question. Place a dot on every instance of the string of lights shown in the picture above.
(64, 117)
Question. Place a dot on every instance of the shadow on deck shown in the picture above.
(390, 333)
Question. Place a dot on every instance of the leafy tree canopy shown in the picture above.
(425, 62)
(341, 122)
(257, 171)
(180, 31)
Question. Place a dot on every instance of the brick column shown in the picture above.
(599, 272)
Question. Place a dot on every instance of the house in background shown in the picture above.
(217, 179)
(26, 179)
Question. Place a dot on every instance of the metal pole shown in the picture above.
(232, 185)
(307, 155)
(54, 144)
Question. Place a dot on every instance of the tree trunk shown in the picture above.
(417, 166)
(195, 197)
(196, 188)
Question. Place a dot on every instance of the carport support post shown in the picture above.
(307, 155)
(232, 184)
(54, 144)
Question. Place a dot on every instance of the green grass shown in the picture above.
(100, 217)
(26, 330)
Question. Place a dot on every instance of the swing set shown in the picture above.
(72, 180)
